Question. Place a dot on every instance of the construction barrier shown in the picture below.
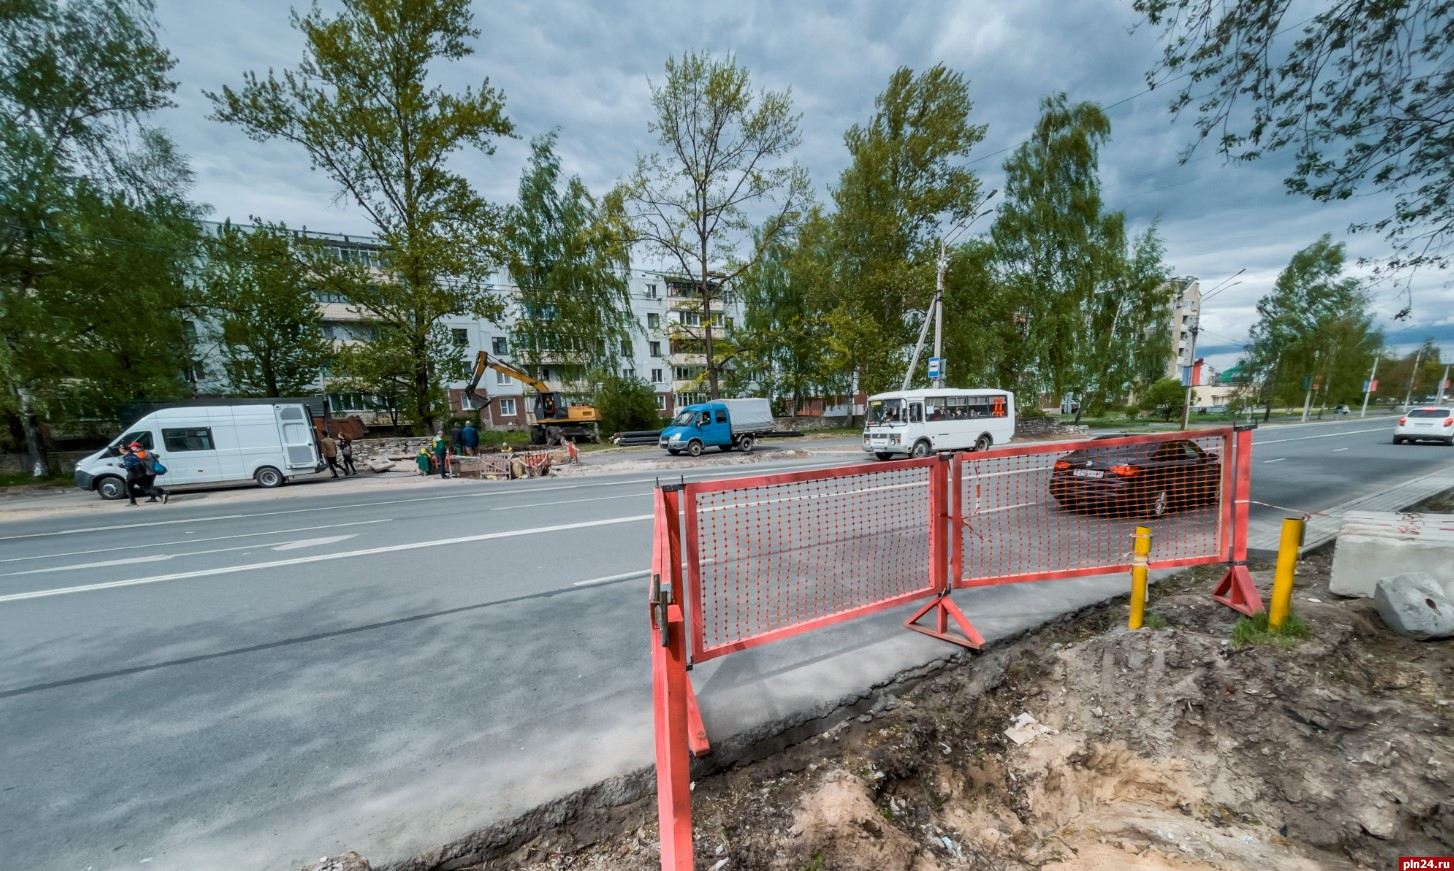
(742, 562)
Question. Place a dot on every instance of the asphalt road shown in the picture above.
(252, 683)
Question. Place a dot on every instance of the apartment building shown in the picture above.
(666, 311)
(1186, 309)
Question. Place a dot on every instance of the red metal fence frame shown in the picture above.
(934, 468)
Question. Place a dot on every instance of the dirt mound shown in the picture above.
(1158, 749)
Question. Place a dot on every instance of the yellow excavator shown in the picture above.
(553, 422)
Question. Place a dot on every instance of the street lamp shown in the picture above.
(936, 306)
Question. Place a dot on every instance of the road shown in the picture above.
(256, 682)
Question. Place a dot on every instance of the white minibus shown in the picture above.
(921, 422)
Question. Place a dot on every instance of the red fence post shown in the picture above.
(1236, 590)
(670, 690)
(941, 540)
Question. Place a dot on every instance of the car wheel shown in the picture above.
(1159, 503)
(694, 448)
(110, 487)
(983, 443)
(674, 452)
(1397, 440)
(883, 455)
(1068, 505)
(268, 477)
(745, 444)
(921, 449)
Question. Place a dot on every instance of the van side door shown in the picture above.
(190, 454)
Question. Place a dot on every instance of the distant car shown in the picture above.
(1144, 478)
(1429, 423)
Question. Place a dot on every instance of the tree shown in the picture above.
(362, 106)
(904, 188)
(1165, 398)
(1313, 328)
(1086, 306)
(725, 154)
(626, 404)
(257, 288)
(570, 257)
(95, 228)
(1374, 82)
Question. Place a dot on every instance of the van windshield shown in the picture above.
(144, 436)
(684, 418)
(885, 411)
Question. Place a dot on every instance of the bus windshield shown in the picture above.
(885, 411)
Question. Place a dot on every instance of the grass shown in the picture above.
(23, 479)
(1255, 631)
(1154, 621)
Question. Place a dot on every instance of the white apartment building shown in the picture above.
(661, 305)
(1186, 309)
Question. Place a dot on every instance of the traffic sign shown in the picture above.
(935, 364)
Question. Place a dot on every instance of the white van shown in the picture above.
(206, 444)
(921, 422)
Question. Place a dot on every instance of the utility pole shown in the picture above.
(1368, 388)
(1414, 373)
(939, 319)
(1312, 378)
(1443, 385)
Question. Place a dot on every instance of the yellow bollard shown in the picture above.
(1139, 554)
(1287, 554)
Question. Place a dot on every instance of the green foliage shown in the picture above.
(504, 437)
(1374, 82)
(362, 105)
(570, 257)
(724, 154)
(256, 286)
(1314, 324)
(95, 229)
(1165, 398)
(1155, 621)
(1086, 306)
(1255, 630)
(905, 187)
(626, 404)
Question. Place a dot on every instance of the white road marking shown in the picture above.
(608, 578)
(371, 551)
(1326, 435)
(1278, 460)
(314, 542)
(1336, 450)
(17, 559)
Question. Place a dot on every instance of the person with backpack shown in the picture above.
(329, 448)
(141, 473)
(345, 453)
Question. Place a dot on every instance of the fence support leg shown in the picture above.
(1237, 589)
(944, 610)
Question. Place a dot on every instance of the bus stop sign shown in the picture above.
(935, 365)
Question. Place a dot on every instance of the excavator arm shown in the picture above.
(484, 361)
(552, 421)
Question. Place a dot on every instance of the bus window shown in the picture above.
(916, 413)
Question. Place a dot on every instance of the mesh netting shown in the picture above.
(1073, 510)
(778, 555)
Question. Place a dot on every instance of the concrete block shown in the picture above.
(1414, 605)
(1378, 544)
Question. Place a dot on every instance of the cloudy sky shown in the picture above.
(584, 68)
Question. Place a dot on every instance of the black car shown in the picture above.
(1143, 478)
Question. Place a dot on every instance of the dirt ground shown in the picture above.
(1165, 748)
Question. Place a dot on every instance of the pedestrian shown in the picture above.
(456, 437)
(345, 451)
(141, 474)
(330, 452)
(423, 461)
(441, 453)
(471, 437)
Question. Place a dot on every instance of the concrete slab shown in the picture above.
(1373, 545)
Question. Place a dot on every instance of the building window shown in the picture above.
(625, 348)
(461, 337)
(653, 321)
(651, 291)
(655, 348)
(655, 376)
(628, 373)
(469, 403)
(690, 319)
(728, 322)
(507, 407)
(198, 371)
(661, 401)
(499, 345)
(502, 378)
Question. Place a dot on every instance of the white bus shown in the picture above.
(921, 422)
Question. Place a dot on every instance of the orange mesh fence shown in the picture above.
(778, 555)
(1070, 509)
